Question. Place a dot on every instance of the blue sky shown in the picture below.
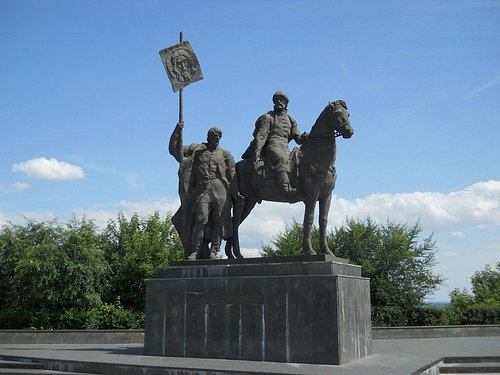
(86, 109)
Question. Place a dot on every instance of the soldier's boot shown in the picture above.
(193, 256)
(196, 249)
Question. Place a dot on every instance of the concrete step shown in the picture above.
(470, 368)
(19, 367)
(21, 371)
(18, 364)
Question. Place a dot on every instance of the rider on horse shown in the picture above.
(273, 131)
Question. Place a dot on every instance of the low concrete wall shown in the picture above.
(133, 336)
(136, 336)
(379, 333)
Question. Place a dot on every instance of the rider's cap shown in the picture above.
(280, 94)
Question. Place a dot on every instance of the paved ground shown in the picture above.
(390, 357)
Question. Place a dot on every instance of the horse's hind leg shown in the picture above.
(240, 212)
(324, 208)
(247, 208)
(229, 248)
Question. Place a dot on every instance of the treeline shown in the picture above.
(77, 276)
(399, 264)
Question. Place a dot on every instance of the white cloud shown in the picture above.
(475, 206)
(250, 252)
(37, 216)
(3, 219)
(49, 169)
(20, 217)
(101, 216)
(266, 221)
(147, 207)
(21, 186)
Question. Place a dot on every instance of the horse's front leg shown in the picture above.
(310, 204)
(324, 208)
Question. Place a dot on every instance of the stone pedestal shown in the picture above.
(307, 309)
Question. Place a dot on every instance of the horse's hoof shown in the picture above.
(311, 252)
(328, 252)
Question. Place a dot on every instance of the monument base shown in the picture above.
(307, 309)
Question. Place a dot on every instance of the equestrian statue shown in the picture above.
(269, 172)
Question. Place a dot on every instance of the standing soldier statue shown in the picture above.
(207, 184)
(207, 177)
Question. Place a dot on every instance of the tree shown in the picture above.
(74, 275)
(289, 241)
(398, 264)
(47, 268)
(134, 249)
(480, 307)
(486, 286)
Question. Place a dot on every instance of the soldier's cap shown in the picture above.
(280, 94)
(215, 130)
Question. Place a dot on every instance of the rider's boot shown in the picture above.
(197, 239)
(284, 183)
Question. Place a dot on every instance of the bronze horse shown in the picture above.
(313, 175)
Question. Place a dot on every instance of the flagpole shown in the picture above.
(181, 115)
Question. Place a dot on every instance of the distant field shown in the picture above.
(438, 304)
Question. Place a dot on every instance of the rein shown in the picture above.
(336, 134)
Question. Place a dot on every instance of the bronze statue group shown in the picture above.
(217, 195)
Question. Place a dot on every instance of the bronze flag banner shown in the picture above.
(181, 65)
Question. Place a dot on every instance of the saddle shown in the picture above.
(266, 172)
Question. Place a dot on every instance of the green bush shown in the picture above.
(394, 316)
(480, 314)
(76, 276)
(427, 316)
(388, 316)
(106, 316)
(480, 307)
(15, 318)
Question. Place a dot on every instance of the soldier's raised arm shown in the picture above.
(175, 146)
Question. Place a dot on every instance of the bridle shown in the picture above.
(336, 133)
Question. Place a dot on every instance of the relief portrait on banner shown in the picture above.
(181, 65)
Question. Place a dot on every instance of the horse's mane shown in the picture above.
(339, 102)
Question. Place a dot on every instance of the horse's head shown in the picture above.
(338, 115)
